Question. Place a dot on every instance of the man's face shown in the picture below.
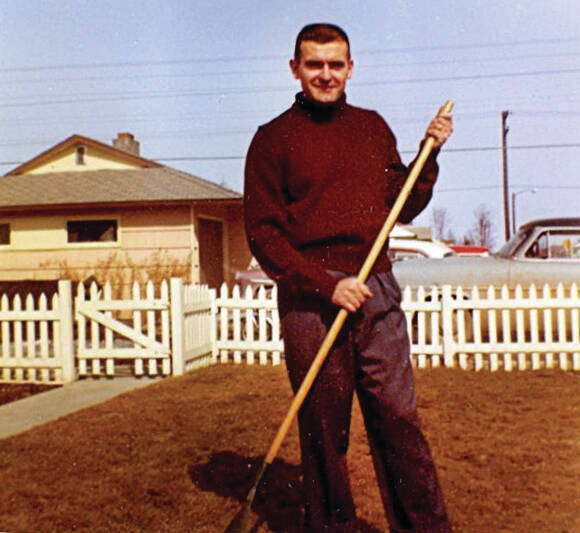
(323, 70)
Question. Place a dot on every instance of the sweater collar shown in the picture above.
(319, 111)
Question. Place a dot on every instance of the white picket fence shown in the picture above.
(36, 343)
(248, 326)
(479, 329)
(150, 334)
(493, 328)
(184, 327)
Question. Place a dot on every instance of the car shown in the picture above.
(545, 251)
(409, 242)
(404, 244)
(469, 249)
(405, 249)
(253, 277)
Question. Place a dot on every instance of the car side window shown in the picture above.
(539, 248)
(557, 245)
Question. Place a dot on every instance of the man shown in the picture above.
(320, 180)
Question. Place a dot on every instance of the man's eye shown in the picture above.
(314, 64)
(336, 65)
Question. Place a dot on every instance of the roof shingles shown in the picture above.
(162, 184)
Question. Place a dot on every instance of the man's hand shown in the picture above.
(440, 128)
(350, 294)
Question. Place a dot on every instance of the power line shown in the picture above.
(124, 64)
(445, 150)
(496, 187)
(392, 109)
(251, 90)
(454, 61)
(543, 146)
(470, 46)
(197, 74)
(473, 77)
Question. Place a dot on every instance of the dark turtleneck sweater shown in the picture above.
(319, 184)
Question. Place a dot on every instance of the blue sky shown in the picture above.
(193, 80)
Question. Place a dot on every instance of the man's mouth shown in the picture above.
(325, 88)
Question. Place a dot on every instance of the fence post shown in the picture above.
(177, 326)
(447, 326)
(213, 317)
(67, 354)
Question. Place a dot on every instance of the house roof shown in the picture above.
(78, 140)
(144, 185)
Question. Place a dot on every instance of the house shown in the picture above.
(83, 208)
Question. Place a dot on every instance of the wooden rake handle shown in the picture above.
(343, 314)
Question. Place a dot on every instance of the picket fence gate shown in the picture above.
(184, 327)
(123, 333)
(164, 333)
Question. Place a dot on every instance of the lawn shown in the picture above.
(181, 454)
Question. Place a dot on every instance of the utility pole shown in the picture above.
(506, 203)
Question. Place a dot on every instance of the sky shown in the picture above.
(192, 80)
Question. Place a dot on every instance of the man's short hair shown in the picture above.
(321, 33)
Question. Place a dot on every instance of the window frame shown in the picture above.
(99, 244)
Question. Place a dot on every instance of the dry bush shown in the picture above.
(121, 271)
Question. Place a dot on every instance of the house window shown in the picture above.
(81, 152)
(91, 230)
(4, 234)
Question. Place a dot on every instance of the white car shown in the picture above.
(542, 251)
(404, 243)
(403, 249)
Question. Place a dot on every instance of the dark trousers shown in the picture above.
(371, 356)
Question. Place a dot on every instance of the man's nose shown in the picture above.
(325, 73)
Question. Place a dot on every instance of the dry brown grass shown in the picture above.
(181, 454)
(11, 392)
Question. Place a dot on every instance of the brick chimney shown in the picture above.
(127, 143)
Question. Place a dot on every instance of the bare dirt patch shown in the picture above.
(181, 454)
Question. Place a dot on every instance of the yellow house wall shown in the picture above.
(153, 242)
(93, 160)
(237, 255)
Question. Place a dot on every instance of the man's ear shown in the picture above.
(294, 67)
(350, 67)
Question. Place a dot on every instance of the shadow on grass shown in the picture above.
(279, 498)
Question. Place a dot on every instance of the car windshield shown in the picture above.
(510, 248)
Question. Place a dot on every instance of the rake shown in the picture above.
(241, 522)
